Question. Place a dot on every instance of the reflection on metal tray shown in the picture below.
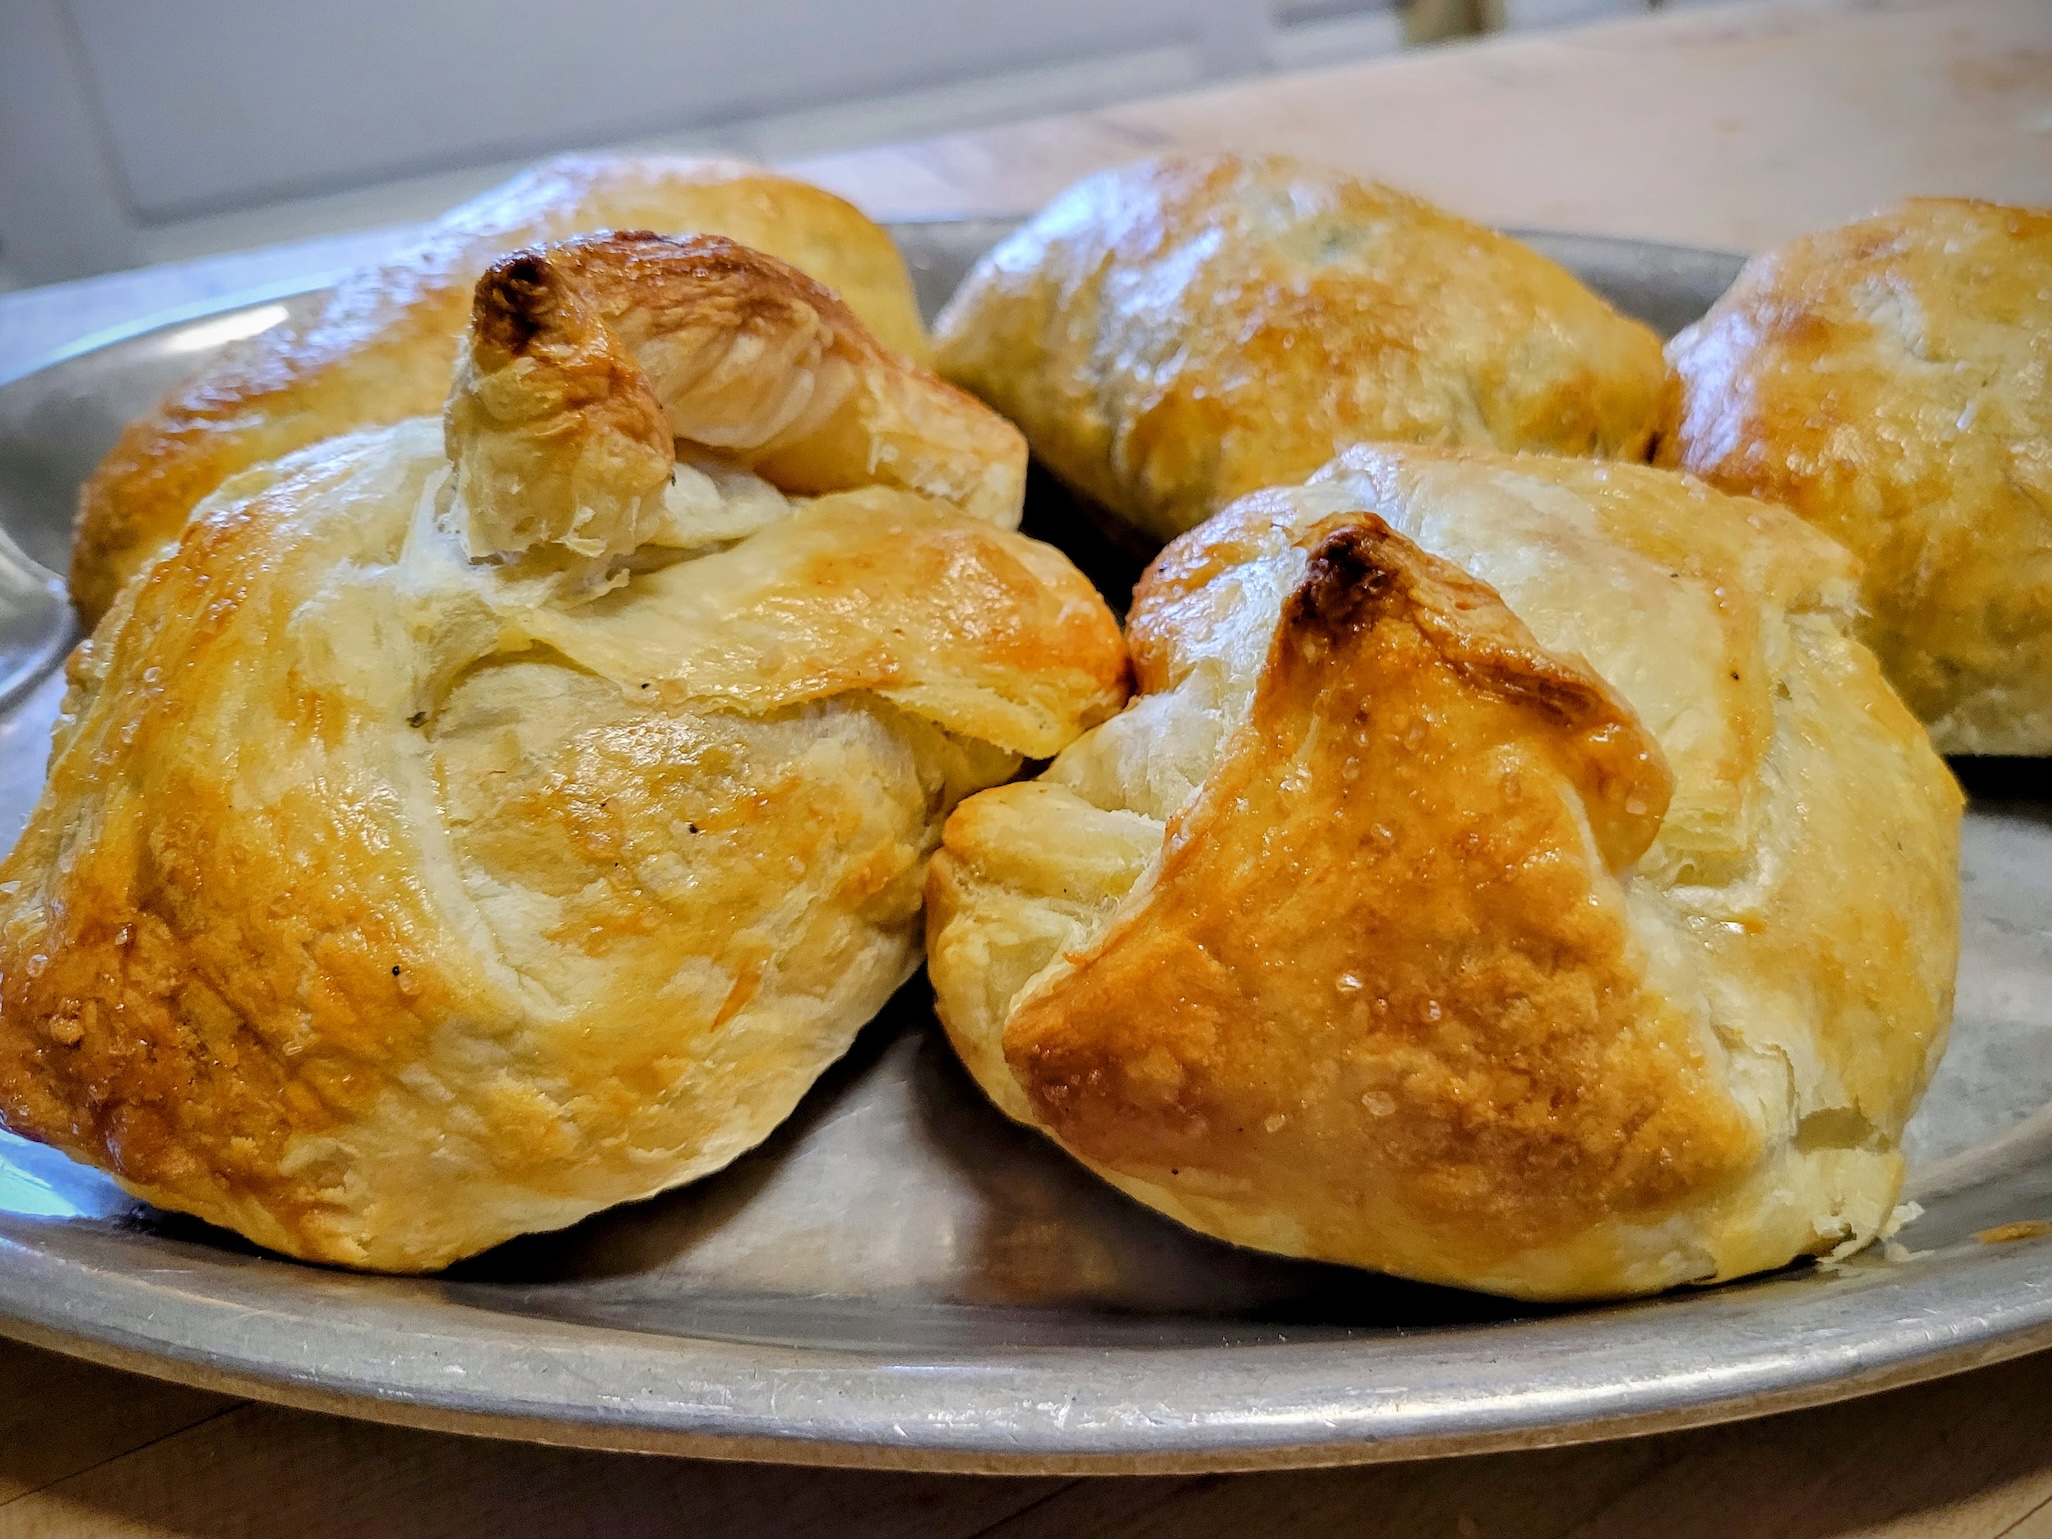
(899, 1276)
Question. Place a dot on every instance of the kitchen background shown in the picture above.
(142, 131)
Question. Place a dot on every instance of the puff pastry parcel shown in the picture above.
(1510, 874)
(380, 346)
(1891, 381)
(1179, 332)
(475, 823)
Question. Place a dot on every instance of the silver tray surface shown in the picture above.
(900, 1277)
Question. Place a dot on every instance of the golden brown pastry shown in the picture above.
(1509, 874)
(473, 824)
(380, 346)
(1179, 332)
(1891, 381)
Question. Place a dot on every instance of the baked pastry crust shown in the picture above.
(380, 346)
(1526, 885)
(1176, 333)
(391, 895)
(1891, 381)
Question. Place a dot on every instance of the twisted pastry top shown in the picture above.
(587, 361)
(376, 349)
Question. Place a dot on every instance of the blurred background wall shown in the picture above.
(136, 131)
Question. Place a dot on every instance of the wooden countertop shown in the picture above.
(1733, 126)
(1737, 127)
(86, 1453)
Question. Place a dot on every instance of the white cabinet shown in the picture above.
(210, 104)
(136, 130)
(132, 130)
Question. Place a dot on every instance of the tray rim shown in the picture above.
(111, 1316)
(171, 317)
(283, 290)
(2011, 1319)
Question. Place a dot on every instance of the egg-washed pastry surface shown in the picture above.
(473, 824)
(1891, 381)
(1510, 874)
(1179, 332)
(380, 346)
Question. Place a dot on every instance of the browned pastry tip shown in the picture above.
(556, 433)
(1362, 574)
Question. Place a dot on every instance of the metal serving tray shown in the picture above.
(900, 1277)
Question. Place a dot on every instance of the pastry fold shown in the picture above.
(1891, 381)
(427, 857)
(1509, 874)
(1176, 333)
(379, 347)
